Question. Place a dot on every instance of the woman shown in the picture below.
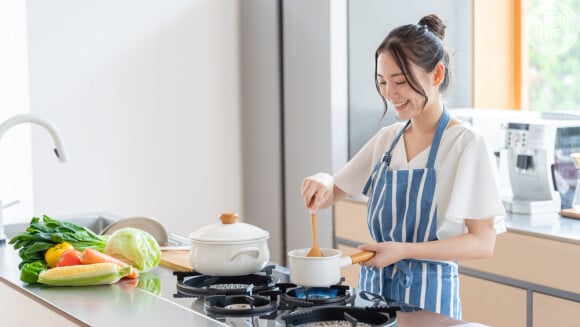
(433, 196)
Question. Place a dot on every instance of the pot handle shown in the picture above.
(361, 256)
(356, 258)
(252, 250)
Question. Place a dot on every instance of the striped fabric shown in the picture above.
(401, 208)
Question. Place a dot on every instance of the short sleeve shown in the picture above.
(352, 177)
(475, 192)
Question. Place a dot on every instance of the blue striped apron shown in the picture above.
(401, 208)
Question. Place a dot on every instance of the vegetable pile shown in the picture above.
(60, 253)
(42, 235)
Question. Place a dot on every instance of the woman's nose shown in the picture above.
(389, 93)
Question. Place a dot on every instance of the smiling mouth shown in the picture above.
(400, 104)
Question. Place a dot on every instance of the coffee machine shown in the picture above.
(542, 172)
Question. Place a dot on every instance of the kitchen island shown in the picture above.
(147, 304)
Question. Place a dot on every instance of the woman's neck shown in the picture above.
(426, 122)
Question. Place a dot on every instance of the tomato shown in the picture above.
(53, 254)
(69, 258)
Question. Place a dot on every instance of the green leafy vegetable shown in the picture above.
(30, 271)
(41, 235)
(135, 247)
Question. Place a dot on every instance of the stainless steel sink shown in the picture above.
(96, 223)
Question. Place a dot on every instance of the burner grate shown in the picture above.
(342, 316)
(191, 284)
(240, 304)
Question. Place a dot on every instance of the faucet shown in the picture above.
(59, 150)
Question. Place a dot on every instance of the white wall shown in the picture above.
(15, 155)
(146, 95)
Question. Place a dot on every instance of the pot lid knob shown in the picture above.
(229, 218)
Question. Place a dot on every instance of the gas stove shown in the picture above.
(267, 298)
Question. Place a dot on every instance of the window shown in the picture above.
(553, 70)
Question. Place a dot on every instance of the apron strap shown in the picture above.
(441, 125)
(387, 155)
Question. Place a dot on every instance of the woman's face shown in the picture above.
(396, 89)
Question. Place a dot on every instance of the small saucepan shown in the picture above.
(321, 271)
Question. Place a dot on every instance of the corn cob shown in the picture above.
(84, 275)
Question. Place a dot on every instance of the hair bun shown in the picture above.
(434, 24)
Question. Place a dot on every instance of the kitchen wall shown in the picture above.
(15, 156)
(146, 94)
(261, 119)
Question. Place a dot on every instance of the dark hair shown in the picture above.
(421, 44)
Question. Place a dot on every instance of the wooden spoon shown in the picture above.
(314, 251)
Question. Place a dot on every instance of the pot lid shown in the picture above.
(229, 230)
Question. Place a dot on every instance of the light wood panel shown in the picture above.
(350, 221)
(492, 303)
(350, 273)
(533, 259)
(497, 54)
(551, 311)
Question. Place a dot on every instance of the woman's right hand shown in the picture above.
(317, 191)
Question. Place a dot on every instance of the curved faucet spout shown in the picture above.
(52, 130)
(48, 125)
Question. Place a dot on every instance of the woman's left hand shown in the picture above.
(386, 253)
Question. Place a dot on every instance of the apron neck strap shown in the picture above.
(441, 125)
(387, 155)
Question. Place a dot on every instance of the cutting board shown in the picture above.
(176, 260)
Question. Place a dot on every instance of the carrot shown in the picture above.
(93, 256)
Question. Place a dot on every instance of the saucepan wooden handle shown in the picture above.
(361, 256)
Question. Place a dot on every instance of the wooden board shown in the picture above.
(176, 260)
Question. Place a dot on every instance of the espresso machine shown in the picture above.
(542, 171)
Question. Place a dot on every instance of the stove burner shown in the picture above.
(192, 284)
(300, 296)
(342, 316)
(315, 293)
(240, 304)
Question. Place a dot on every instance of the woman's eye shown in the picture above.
(401, 82)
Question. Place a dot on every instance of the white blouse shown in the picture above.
(467, 183)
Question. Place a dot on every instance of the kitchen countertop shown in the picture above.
(552, 226)
(549, 226)
(126, 304)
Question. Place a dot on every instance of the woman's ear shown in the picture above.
(439, 74)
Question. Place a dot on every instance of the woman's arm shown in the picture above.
(477, 243)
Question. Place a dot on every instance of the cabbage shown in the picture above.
(135, 247)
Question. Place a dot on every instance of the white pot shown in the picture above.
(229, 248)
(321, 271)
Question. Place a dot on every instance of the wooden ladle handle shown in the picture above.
(361, 256)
